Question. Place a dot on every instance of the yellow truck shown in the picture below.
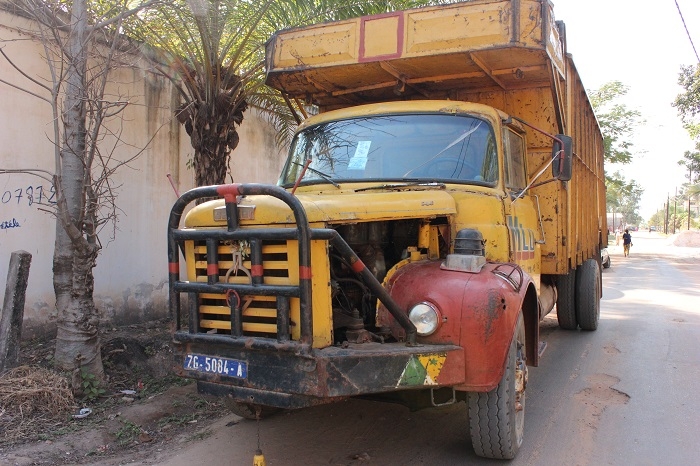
(448, 194)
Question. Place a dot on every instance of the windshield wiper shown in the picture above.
(421, 184)
(321, 174)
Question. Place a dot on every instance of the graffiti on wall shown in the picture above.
(13, 199)
(29, 196)
(7, 224)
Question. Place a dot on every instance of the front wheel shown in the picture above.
(497, 418)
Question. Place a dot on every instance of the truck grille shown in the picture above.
(259, 313)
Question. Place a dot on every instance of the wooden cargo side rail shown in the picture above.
(587, 196)
(303, 234)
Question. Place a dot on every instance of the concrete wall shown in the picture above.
(131, 272)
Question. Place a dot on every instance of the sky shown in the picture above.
(643, 44)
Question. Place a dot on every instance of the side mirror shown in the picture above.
(562, 156)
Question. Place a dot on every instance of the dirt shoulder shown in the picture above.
(144, 408)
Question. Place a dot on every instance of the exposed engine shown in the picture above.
(380, 246)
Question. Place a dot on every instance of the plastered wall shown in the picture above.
(131, 272)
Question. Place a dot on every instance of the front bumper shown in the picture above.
(289, 377)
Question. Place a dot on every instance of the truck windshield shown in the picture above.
(430, 147)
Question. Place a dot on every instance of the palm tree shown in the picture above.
(213, 51)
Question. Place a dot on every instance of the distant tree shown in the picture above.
(613, 199)
(691, 160)
(617, 122)
(688, 101)
(658, 219)
(623, 197)
(677, 217)
(694, 189)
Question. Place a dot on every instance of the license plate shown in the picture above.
(220, 366)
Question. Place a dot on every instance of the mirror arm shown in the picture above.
(530, 184)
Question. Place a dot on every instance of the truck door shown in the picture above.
(521, 214)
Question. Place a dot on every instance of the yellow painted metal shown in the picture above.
(486, 112)
(189, 261)
(484, 212)
(382, 29)
(250, 312)
(424, 235)
(434, 242)
(247, 326)
(321, 292)
(429, 239)
(429, 51)
(322, 314)
(336, 205)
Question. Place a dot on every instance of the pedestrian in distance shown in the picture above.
(626, 242)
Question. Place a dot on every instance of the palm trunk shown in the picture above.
(213, 154)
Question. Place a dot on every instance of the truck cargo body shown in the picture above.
(435, 210)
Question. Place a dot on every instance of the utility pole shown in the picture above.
(675, 205)
(668, 198)
(690, 181)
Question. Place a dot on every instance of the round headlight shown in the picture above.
(425, 317)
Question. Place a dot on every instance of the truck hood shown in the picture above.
(341, 206)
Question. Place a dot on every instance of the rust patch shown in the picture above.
(496, 306)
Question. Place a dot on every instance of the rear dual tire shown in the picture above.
(588, 294)
(578, 297)
(566, 300)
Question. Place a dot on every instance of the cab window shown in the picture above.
(515, 176)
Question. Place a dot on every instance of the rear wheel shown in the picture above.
(497, 418)
(588, 293)
(566, 300)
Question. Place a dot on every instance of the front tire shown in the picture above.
(588, 293)
(497, 418)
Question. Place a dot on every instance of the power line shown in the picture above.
(687, 32)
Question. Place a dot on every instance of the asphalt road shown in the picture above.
(622, 395)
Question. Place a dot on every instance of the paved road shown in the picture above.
(623, 395)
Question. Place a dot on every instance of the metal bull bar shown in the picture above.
(303, 234)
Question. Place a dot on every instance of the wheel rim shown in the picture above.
(521, 375)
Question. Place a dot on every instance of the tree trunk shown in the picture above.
(213, 135)
(77, 340)
(211, 165)
(212, 156)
